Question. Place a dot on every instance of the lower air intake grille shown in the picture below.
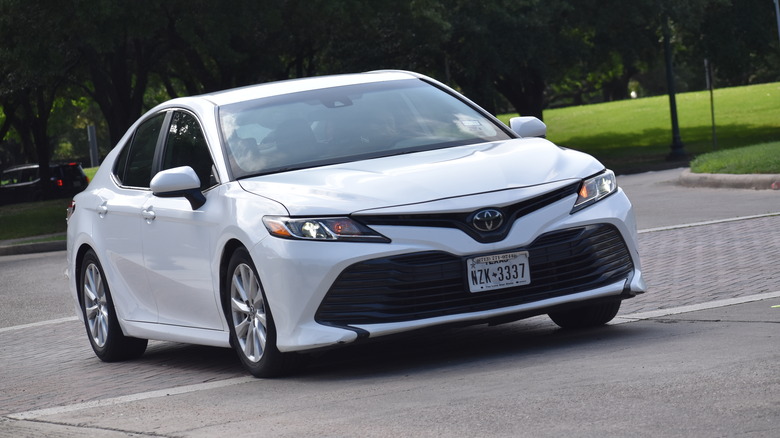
(431, 284)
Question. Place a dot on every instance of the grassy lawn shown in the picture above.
(635, 135)
(90, 172)
(760, 158)
(33, 218)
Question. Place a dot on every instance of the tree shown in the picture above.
(526, 54)
(36, 63)
(212, 47)
(740, 39)
(118, 46)
(393, 34)
(515, 48)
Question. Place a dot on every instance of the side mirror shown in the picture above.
(528, 126)
(179, 182)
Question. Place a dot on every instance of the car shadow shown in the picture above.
(437, 349)
(466, 347)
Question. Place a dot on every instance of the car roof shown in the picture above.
(36, 165)
(269, 89)
(21, 166)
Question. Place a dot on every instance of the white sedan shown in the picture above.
(298, 215)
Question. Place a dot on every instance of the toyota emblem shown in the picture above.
(488, 219)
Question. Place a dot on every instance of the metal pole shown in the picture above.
(711, 87)
(678, 150)
(94, 157)
(777, 14)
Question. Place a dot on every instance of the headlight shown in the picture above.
(595, 188)
(327, 229)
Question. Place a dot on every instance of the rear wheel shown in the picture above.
(589, 315)
(252, 330)
(103, 330)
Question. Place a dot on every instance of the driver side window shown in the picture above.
(187, 146)
(134, 165)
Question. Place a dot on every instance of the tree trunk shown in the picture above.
(525, 92)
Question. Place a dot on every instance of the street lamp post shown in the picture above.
(678, 149)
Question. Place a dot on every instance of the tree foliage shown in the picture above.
(117, 59)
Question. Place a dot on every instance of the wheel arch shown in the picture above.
(231, 246)
(79, 261)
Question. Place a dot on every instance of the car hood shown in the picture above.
(423, 177)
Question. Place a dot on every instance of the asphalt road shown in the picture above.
(660, 202)
(33, 289)
(698, 355)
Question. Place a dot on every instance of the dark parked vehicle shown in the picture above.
(23, 183)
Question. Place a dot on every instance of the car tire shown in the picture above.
(252, 329)
(100, 318)
(589, 315)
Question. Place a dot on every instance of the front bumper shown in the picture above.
(432, 284)
(326, 293)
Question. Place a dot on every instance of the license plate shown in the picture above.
(497, 271)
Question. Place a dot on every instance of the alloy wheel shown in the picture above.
(248, 312)
(95, 305)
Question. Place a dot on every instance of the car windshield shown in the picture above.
(346, 124)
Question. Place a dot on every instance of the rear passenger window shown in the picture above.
(134, 166)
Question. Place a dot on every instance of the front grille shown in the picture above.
(462, 221)
(431, 284)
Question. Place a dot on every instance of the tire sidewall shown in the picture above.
(90, 258)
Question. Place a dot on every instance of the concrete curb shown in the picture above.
(718, 180)
(14, 247)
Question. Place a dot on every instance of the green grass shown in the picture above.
(36, 218)
(760, 158)
(635, 135)
(33, 218)
(90, 172)
(50, 238)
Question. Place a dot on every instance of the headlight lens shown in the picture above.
(327, 229)
(595, 188)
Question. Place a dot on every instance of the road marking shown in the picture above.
(37, 324)
(698, 224)
(130, 398)
(622, 319)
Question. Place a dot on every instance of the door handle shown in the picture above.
(148, 214)
(102, 210)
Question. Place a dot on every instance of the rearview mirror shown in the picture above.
(528, 126)
(179, 182)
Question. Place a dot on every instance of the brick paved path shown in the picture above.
(698, 264)
(53, 365)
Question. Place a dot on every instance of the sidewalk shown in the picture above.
(661, 201)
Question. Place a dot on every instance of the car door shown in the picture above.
(118, 229)
(178, 241)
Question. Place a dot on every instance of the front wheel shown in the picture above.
(100, 319)
(252, 330)
(589, 315)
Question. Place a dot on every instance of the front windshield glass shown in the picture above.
(347, 123)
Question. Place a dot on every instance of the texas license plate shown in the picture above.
(497, 271)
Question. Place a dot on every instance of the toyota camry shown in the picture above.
(287, 217)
